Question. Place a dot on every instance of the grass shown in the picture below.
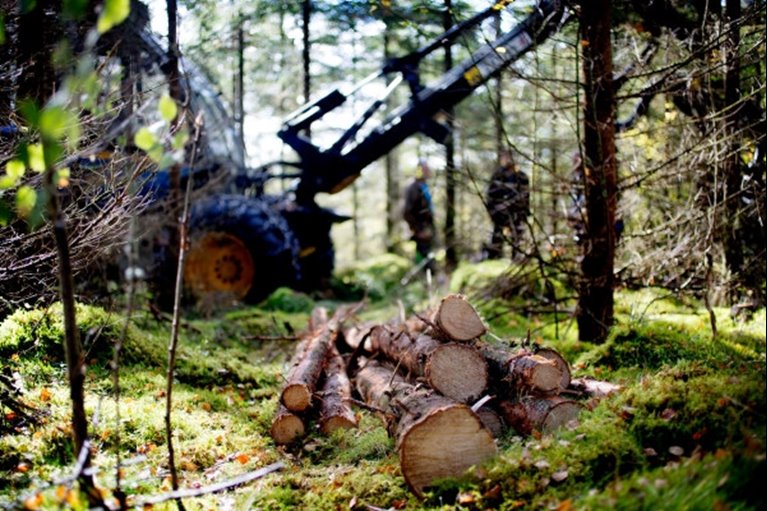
(686, 432)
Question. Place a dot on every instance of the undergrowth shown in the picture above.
(686, 431)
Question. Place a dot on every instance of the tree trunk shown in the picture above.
(436, 437)
(454, 370)
(306, 369)
(39, 30)
(306, 16)
(595, 302)
(451, 259)
(336, 412)
(543, 414)
(733, 250)
(72, 347)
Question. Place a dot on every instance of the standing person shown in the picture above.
(419, 216)
(508, 203)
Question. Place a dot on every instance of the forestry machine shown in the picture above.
(244, 242)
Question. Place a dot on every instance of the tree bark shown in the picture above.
(454, 370)
(595, 302)
(72, 347)
(39, 30)
(451, 259)
(336, 412)
(306, 16)
(733, 251)
(436, 437)
(543, 414)
(306, 369)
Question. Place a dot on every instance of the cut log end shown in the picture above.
(560, 415)
(297, 397)
(458, 319)
(561, 363)
(443, 444)
(457, 371)
(287, 428)
(547, 378)
(328, 426)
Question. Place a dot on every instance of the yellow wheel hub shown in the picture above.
(218, 262)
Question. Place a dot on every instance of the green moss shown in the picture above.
(287, 300)
(721, 481)
(41, 331)
(373, 278)
(653, 344)
(695, 407)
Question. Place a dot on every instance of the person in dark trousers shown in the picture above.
(419, 215)
(508, 203)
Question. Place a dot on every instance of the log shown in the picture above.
(436, 437)
(335, 411)
(287, 427)
(521, 372)
(543, 414)
(561, 363)
(458, 319)
(457, 371)
(492, 421)
(306, 368)
(534, 373)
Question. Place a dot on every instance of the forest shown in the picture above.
(383, 254)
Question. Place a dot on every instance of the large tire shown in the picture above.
(240, 247)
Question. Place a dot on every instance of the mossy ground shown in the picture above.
(686, 432)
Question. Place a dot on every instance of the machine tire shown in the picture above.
(244, 226)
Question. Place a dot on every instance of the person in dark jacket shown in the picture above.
(508, 203)
(419, 215)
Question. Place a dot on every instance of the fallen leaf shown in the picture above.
(33, 502)
(242, 458)
(559, 476)
(45, 394)
(464, 499)
(541, 464)
(676, 450)
(206, 406)
(22, 468)
(668, 414)
(649, 451)
(565, 505)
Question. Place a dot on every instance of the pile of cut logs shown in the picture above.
(443, 393)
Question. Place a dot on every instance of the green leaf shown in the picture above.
(26, 196)
(36, 157)
(145, 139)
(57, 123)
(156, 153)
(180, 139)
(5, 214)
(168, 108)
(15, 168)
(113, 13)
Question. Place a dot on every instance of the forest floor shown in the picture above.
(687, 430)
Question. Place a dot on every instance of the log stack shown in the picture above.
(442, 392)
